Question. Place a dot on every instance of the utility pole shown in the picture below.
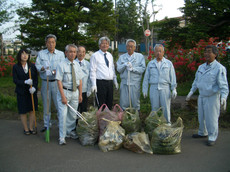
(115, 36)
(1, 44)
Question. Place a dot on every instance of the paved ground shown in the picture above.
(20, 153)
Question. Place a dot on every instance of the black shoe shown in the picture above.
(26, 132)
(198, 136)
(43, 129)
(211, 143)
(34, 131)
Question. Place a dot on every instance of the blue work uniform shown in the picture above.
(211, 81)
(53, 59)
(67, 118)
(130, 79)
(162, 80)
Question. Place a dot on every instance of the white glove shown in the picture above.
(116, 85)
(29, 81)
(88, 94)
(48, 73)
(32, 90)
(129, 66)
(47, 65)
(223, 103)
(145, 95)
(189, 96)
(94, 89)
(174, 94)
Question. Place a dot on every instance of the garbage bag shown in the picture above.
(106, 114)
(154, 119)
(138, 142)
(88, 134)
(167, 139)
(118, 111)
(113, 136)
(131, 121)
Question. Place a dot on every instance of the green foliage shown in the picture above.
(204, 19)
(5, 13)
(66, 19)
(128, 24)
(8, 102)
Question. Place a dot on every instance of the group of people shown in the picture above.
(70, 81)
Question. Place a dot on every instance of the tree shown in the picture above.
(208, 17)
(5, 14)
(129, 25)
(66, 19)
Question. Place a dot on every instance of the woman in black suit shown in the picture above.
(24, 91)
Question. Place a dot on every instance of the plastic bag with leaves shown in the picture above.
(88, 134)
(131, 121)
(106, 114)
(155, 119)
(138, 142)
(167, 139)
(113, 136)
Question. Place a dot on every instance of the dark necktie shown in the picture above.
(74, 78)
(106, 60)
(80, 63)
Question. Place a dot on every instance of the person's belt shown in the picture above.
(104, 80)
(52, 80)
(68, 89)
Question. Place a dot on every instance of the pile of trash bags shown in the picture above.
(116, 128)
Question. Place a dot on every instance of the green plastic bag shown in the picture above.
(155, 119)
(131, 121)
(167, 139)
(88, 134)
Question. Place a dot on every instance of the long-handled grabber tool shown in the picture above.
(47, 134)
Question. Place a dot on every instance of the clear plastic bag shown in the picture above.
(155, 119)
(131, 121)
(88, 134)
(113, 136)
(167, 139)
(138, 142)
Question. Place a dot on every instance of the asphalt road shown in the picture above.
(20, 153)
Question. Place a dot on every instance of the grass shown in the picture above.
(8, 105)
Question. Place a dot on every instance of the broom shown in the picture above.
(32, 98)
(47, 134)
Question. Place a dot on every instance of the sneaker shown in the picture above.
(72, 135)
(62, 141)
(198, 136)
(168, 124)
(211, 143)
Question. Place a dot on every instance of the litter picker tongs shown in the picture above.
(78, 114)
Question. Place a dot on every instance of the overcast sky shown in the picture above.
(169, 8)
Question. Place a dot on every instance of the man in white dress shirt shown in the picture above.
(102, 73)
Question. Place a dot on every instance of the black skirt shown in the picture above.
(25, 103)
